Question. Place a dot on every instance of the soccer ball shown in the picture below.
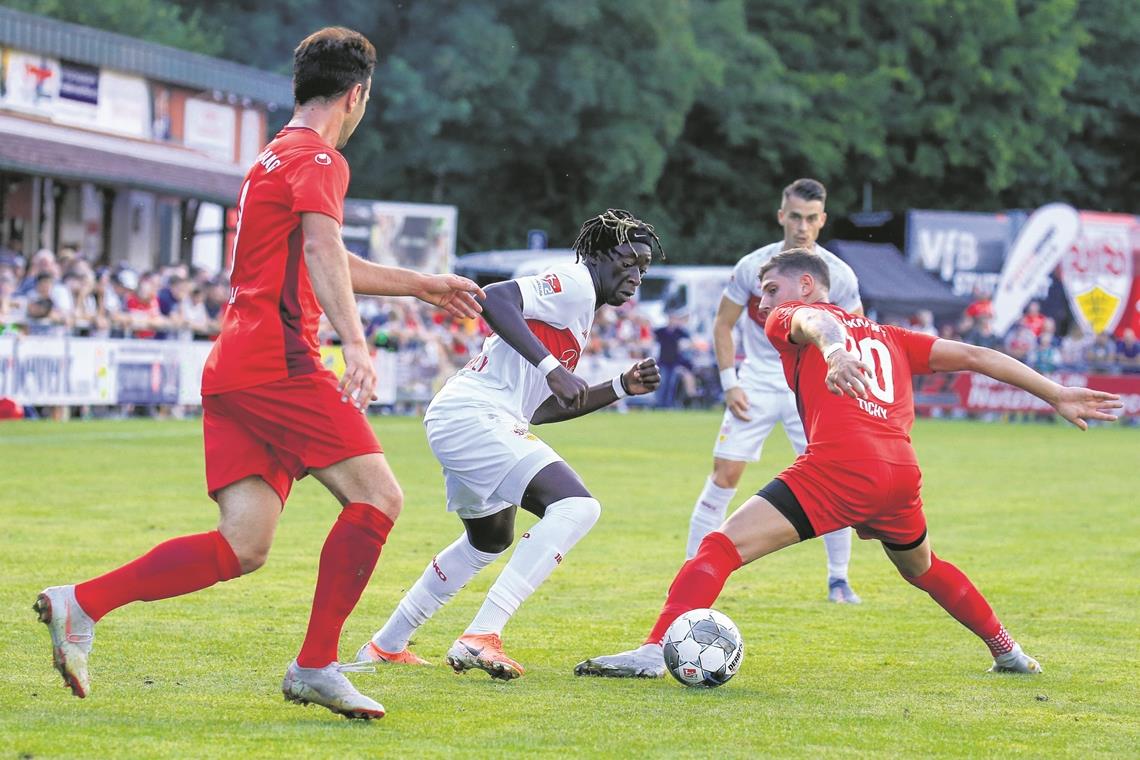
(703, 648)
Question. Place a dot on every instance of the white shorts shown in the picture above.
(741, 441)
(488, 458)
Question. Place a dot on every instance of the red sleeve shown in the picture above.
(319, 182)
(917, 347)
(778, 326)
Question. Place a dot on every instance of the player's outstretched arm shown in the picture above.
(502, 308)
(642, 378)
(1075, 404)
(450, 292)
(327, 261)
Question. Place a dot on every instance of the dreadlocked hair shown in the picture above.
(607, 231)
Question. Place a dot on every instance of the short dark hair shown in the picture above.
(604, 232)
(798, 261)
(330, 62)
(808, 189)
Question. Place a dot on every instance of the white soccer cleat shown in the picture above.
(1015, 661)
(72, 634)
(647, 661)
(840, 592)
(483, 651)
(329, 688)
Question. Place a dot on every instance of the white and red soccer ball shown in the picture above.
(703, 648)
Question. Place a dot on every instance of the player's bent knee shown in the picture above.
(251, 557)
(390, 501)
(496, 544)
(581, 511)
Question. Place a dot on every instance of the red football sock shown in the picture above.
(950, 587)
(347, 561)
(699, 581)
(173, 568)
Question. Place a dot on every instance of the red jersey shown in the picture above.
(269, 328)
(845, 428)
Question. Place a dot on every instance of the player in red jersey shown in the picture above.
(852, 380)
(271, 412)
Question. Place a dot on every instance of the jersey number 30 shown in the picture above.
(874, 354)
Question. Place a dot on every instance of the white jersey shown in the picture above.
(559, 306)
(762, 366)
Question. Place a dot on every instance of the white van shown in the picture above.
(665, 289)
(692, 290)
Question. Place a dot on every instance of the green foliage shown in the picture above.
(162, 21)
(1106, 98)
(1041, 517)
(695, 113)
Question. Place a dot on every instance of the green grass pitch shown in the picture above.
(1042, 517)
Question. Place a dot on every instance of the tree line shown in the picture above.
(694, 113)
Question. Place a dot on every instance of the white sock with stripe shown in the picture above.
(538, 552)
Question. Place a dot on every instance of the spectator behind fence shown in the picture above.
(1021, 343)
(983, 334)
(142, 307)
(1101, 354)
(1128, 352)
(982, 305)
(45, 317)
(1048, 355)
(1074, 346)
(923, 322)
(12, 306)
(671, 340)
(1033, 318)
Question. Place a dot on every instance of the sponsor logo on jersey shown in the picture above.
(323, 159)
(548, 285)
(269, 160)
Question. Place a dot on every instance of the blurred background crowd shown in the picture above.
(62, 293)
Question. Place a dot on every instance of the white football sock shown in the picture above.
(538, 552)
(708, 514)
(448, 572)
(838, 543)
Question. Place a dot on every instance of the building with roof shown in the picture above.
(127, 150)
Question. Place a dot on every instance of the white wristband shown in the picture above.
(728, 379)
(619, 387)
(831, 348)
(548, 365)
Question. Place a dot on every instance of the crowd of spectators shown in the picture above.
(1033, 339)
(65, 294)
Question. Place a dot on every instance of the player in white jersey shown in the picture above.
(478, 428)
(759, 397)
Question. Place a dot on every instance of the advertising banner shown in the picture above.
(64, 371)
(56, 371)
(418, 236)
(31, 82)
(1097, 269)
(78, 101)
(148, 371)
(965, 250)
(974, 393)
(1040, 244)
(124, 104)
(211, 128)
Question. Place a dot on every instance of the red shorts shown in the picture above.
(879, 499)
(280, 430)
